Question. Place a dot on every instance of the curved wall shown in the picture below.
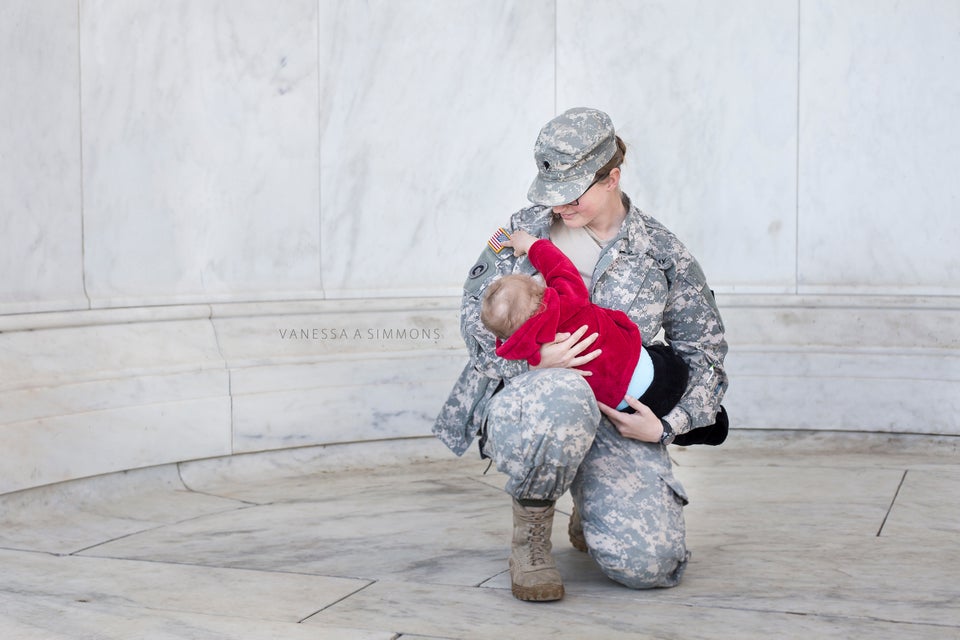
(86, 393)
(92, 392)
(182, 182)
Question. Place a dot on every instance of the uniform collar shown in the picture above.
(633, 237)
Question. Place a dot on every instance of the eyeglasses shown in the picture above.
(576, 203)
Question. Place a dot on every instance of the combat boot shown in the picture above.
(533, 572)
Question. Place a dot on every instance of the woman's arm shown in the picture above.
(692, 324)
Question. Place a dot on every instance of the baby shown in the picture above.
(524, 314)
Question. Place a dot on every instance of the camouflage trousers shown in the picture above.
(545, 432)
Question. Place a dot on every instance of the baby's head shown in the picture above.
(509, 302)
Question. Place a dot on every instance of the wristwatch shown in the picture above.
(668, 434)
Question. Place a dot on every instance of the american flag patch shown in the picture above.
(497, 239)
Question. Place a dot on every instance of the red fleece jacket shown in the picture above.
(567, 307)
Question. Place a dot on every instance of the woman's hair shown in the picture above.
(618, 157)
(509, 302)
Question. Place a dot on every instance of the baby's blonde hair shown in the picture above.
(509, 302)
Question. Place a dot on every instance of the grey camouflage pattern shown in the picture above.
(543, 428)
(631, 509)
(559, 418)
(645, 272)
(569, 151)
(545, 434)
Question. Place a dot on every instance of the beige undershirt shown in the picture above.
(580, 246)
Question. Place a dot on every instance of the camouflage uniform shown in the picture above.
(542, 427)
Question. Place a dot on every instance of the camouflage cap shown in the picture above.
(569, 151)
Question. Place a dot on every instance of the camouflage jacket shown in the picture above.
(645, 272)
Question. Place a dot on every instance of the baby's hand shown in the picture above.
(520, 241)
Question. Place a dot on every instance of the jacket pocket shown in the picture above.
(676, 487)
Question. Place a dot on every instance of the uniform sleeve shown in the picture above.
(692, 324)
(480, 342)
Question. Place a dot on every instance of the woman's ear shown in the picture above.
(614, 178)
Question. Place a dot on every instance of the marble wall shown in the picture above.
(41, 223)
(179, 182)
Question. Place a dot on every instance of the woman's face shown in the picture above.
(587, 207)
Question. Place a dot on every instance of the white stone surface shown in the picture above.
(855, 363)
(430, 110)
(41, 242)
(77, 401)
(73, 446)
(704, 95)
(310, 543)
(118, 389)
(878, 194)
(240, 151)
(256, 594)
(106, 390)
(65, 518)
(209, 172)
(308, 373)
(239, 477)
(878, 391)
(324, 402)
(52, 618)
(921, 508)
(262, 334)
(70, 355)
(201, 150)
(42, 402)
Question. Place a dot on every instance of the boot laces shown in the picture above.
(537, 538)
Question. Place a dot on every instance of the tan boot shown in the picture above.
(575, 531)
(533, 572)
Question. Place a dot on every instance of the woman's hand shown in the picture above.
(564, 352)
(643, 425)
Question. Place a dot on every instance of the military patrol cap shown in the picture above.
(569, 151)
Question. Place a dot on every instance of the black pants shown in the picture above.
(670, 377)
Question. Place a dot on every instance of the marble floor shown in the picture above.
(794, 535)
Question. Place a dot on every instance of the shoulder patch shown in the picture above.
(495, 242)
(480, 272)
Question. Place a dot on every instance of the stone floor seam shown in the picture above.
(893, 501)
